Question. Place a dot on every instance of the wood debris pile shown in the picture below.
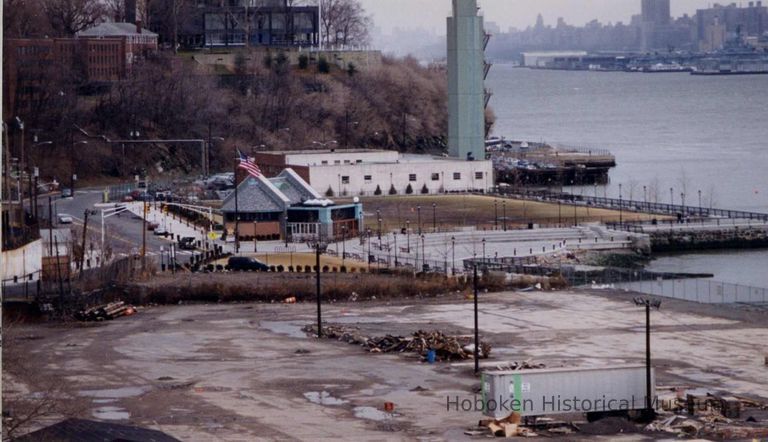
(446, 348)
(712, 416)
(525, 365)
(508, 427)
(105, 312)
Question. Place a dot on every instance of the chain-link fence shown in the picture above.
(700, 290)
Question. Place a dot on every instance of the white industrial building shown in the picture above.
(361, 171)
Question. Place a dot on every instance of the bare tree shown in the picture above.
(344, 22)
(68, 17)
(24, 18)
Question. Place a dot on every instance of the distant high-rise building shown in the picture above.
(657, 12)
(466, 75)
(656, 18)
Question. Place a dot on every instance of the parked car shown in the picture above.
(160, 231)
(152, 226)
(242, 263)
(187, 243)
(65, 219)
(66, 193)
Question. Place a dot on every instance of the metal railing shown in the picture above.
(630, 205)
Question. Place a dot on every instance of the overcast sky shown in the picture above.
(431, 14)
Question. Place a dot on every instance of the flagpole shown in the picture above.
(237, 214)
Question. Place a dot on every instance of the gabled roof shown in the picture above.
(256, 195)
(110, 29)
(294, 187)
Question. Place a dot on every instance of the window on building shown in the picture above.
(435, 177)
(337, 162)
(478, 175)
(346, 161)
(344, 179)
(456, 175)
(368, 178)
(358, 161)
(412, 177)
(324, 162)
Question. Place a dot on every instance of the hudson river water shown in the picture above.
(678, 131)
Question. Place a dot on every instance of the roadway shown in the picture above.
(123, 232)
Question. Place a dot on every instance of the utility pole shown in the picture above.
(144, 236)
(82, 245)
(237, 216)
(317, 281)
(477, 334)
(648, 303)
(50, 227)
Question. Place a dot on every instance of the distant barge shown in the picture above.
(528, 163)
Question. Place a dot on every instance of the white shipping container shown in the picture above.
(564, 390)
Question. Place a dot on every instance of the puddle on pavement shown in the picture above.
(284, 328)
(111, 413)
(373, 414)
(323, 398)
(115, 393)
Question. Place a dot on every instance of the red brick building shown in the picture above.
(102, 54)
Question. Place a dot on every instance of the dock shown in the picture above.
(521, 163)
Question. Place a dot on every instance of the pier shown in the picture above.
(522, 163)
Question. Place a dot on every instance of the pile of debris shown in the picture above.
(709, 415)
(507, 427)
(513, 366)
(445, 347)
(104, 312)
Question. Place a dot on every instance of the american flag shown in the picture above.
(248, 164)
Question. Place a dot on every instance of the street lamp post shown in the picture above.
(648, 303)
(699, 201)
(434, 217)
(378, 217)
(418, 214)
(408, 236)
(504, 213)
(645, 194)
(423, 253)
(395, 235)
(682, 201)
(495, 214)
(343, 244)
(621, 207)
(671, 196)
(453, 255)
(484, 252)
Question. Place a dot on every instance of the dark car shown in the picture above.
(241, 263)
(187, 243)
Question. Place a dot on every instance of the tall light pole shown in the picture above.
(319, 248)
(477, 334)
(648, 303)
(423, 253)
(418, 214)
(699, 200)
(504, 213)
(453, 256)
(408, 236)
(483, 251)
(645, 194)
(682, 201)
(434, 217)
(621, 208)
(671, 196)
(495, 214)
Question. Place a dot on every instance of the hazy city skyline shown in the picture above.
(390, 14)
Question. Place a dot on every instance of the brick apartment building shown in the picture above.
(102, 54)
